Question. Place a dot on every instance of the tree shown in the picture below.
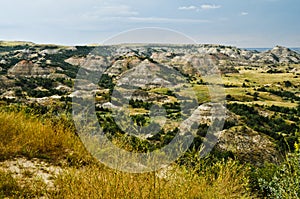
(255, 95)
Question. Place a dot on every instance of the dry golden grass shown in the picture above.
(222, 180)
(22, 134)
(29, 136)
(12, 188)
(258, 78)
(15, 43)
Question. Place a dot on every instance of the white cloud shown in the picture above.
(187, 8)
(112, 10)
(133, 19)
(166, 20)
(244, 13)
(209, 6)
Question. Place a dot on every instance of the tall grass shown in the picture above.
(27, 135)
(222, 180)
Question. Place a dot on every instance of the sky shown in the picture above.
(241, 23)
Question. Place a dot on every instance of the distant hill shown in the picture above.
(266, 49)
(15, 43)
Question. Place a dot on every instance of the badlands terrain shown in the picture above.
(256, 95)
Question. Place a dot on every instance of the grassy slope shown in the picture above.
(25, 135)
(255, 79)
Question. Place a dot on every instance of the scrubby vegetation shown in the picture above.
(273, 126)
(25, 132)
(28, 133)
(281, 181)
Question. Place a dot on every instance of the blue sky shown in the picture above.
(251, 23)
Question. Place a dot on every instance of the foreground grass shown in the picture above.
(223, 180)
(53, 139)
(26, 135)
(13, 188)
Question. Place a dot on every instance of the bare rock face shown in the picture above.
(120, 66)
(8, 95)
(27, 68)
(149, 74)
(3, 62)
(206, 113)
(280, 54)
(5, 83)
(76, 61)
(249, 145)
(93, 63)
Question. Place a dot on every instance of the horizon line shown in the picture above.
(136, 43)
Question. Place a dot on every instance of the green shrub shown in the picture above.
(285, 180)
